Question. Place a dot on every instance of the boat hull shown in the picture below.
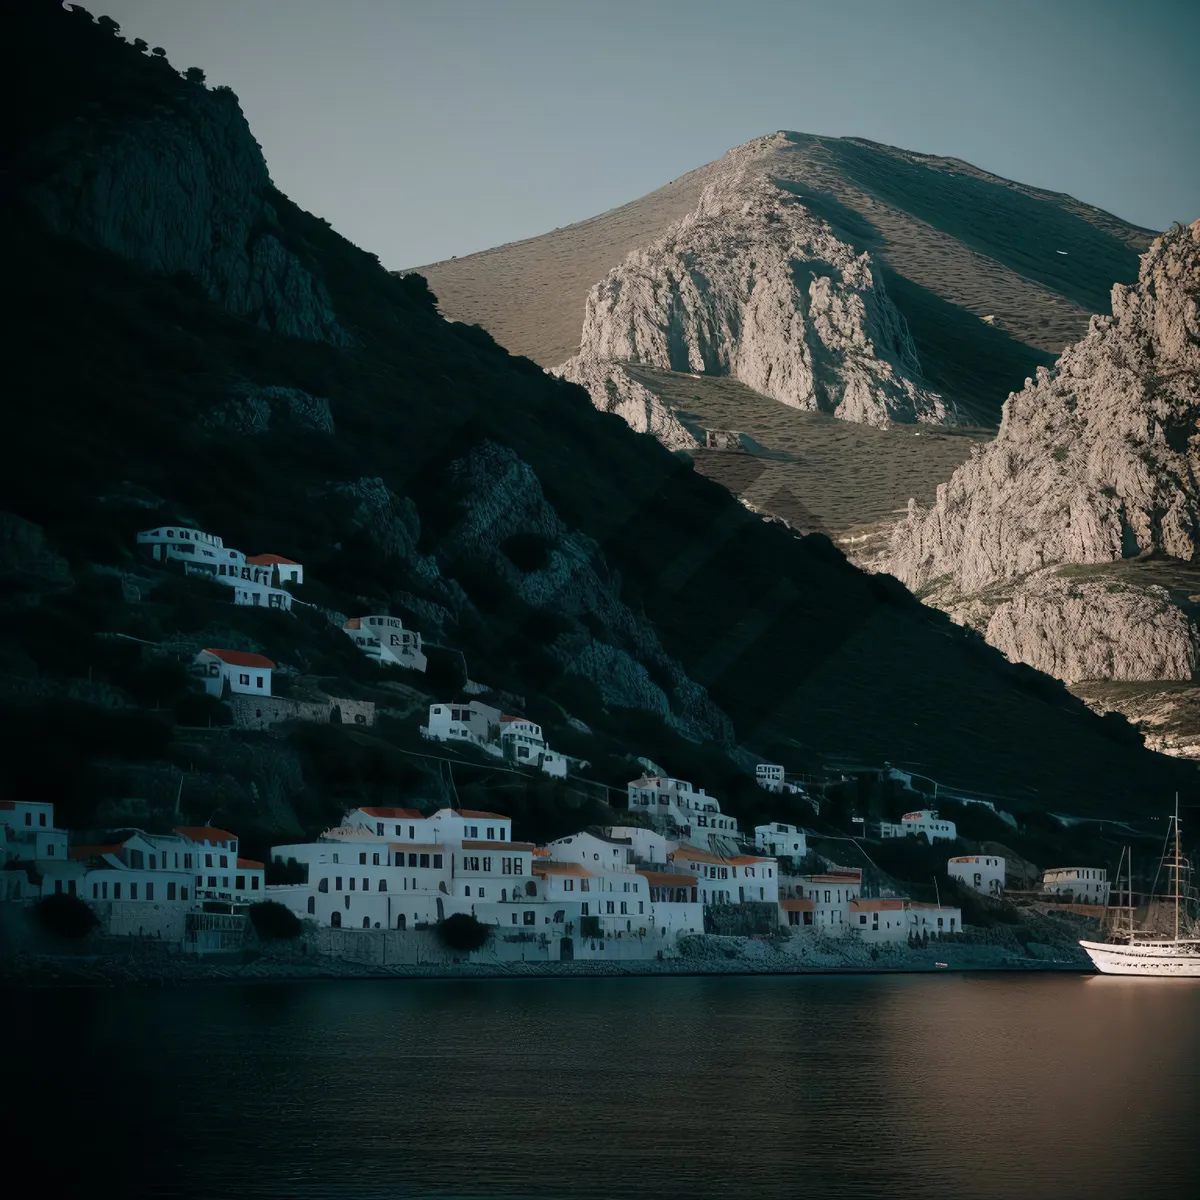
(1155, 959)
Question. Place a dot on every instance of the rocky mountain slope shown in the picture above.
(1095, 465)
(992, 278)
(324, 410)
(752, 285)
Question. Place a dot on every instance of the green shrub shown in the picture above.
(65, 916)
(461, 931)
(273, 922)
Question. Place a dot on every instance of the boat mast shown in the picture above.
(1177, 861)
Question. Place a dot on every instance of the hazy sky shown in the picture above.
(426, 128)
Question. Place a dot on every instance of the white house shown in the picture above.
(385, 639)
(28, 832)
(894, 920)
(773, 777)
(821, 901)
(598, 852)
(980, 872)
(219, 873)
(741, 879)
(192, 547)
(521, 742)
(696, 813)
(1084, 885)
(283, 570)
(246, 674)
(255, 594)
(623, 903)
(650, 848)
(675, 904)
(780, 841)
(473, 722)
(923, 821)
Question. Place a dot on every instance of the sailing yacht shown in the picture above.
(1150, 951)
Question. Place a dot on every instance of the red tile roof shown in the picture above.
(477, 813)
(261, 560)
(239, 658)
(796, 905)
(876, 905)
(95, 851)
(394, 814)
(250, 864)
(526, 846)
(205, 833)
(354, 623)
(556, 868)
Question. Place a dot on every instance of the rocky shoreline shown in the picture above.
(708, 956)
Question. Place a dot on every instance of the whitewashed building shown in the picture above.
(895, 920)
(1084, 885)
(980, 872)
(385, 640)
(283, 570)
(676, 907)
(650, 848)
(192, 547)
(774, 778)
(246, 674)
(219, 873)
(740, 879)
(780, 840)
(821, 901)
(29, 834)
(521, 742)
(697, 815)
(598, 852)
(924, 821)
(473, 722)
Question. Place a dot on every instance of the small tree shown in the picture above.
(159, 52)
(194, 75)
(461, 931)
(141, 45)
(109, 25)
(273, 922)
(65, 916)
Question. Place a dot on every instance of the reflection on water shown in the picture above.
(973, 1086)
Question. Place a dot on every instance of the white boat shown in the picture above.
(1153, 952)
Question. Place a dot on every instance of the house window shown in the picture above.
(150, 891)
(487, 864)
(491, 833)
(224, 860)
(240, 883)
(212, 881)
(183, 893)
(383, 885)
(423, 860)
(609, 906)
(352, 883)
(412, 860)
(170, 891)
(337, 883)
(244, 679)
(208, 860)
(530, 917)
(323, 886)
(514, 918)
(437, 861)
(254, 883)
(133, 891)
(259, 681)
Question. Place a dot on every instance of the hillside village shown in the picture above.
(677, 868)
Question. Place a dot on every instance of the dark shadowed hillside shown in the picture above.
(190, 344)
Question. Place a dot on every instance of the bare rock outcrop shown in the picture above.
(598, 637)
(1079, 629)
(183, 188)
(1095, 461)
(751, 284)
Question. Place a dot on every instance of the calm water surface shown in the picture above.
(896, 1086)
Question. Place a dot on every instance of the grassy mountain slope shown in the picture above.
(120, 369)
(955, 243)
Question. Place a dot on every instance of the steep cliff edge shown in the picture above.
(751, 284)
(1095, 463)
(165, 173)
(1096, 460)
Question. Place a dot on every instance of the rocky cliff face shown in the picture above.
(181, 186)
(752, 284)
(1096, 462)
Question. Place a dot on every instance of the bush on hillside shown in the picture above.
(273, 922)
(463, 932)
(527, 552)
(65, 916)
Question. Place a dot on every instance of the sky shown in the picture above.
(423, 129)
